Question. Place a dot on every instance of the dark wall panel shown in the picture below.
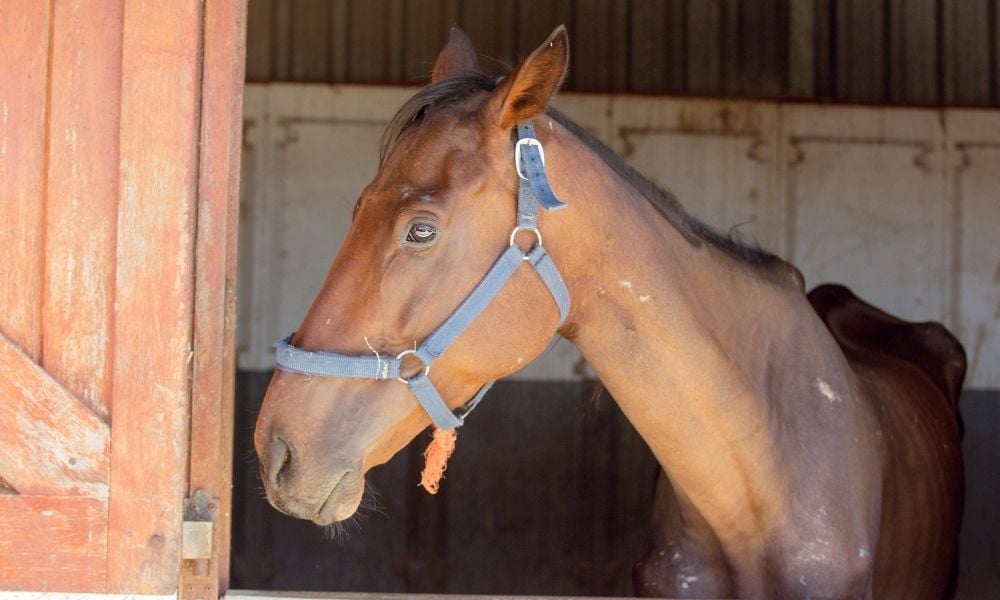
(880, 51)
(548, 493)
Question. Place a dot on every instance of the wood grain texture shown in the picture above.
(53, 543)
(50, 442)
(215, 279)
(154, 292)
(24, 29)
(81, 209)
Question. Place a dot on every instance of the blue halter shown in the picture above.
(533, 189)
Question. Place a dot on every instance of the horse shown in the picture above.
(800, 457)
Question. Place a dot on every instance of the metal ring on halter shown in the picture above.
(427, 368)
(534, 230)
(517, 153)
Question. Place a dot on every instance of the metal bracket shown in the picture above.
(200, 511)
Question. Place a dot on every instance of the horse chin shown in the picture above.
(343, 501)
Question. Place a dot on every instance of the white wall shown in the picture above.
(902, 205)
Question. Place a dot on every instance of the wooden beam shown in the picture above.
(24, 29)
(215, 284)
(50, 443)
(161, 83)
(53, 543)
(81, 210)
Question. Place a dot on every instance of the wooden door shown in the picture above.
(119, 138)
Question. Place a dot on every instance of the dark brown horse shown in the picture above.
(793, 467)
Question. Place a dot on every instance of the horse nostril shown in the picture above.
(279, 460)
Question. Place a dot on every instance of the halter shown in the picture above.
(533, 189)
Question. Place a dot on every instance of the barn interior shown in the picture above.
(859, 140)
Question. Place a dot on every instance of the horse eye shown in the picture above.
(420, 233)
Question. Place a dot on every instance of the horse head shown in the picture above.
(424, 232)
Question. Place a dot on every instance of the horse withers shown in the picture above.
(801, 458)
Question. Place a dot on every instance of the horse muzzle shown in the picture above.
(322, 497)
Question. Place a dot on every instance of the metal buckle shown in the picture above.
(517, 153)
(427, 367)
(534, 230)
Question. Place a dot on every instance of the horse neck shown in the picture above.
(682, 334)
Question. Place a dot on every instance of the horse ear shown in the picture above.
(527, 90)
(458, 56)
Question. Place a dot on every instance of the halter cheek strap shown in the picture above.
(533, 189)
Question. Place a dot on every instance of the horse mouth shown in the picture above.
(342, 501)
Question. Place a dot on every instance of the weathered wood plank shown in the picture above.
(310, 40)
(156, 219)
(81, 210)
(51, 444)
(53, 543)
(215, 280)
(260, 40)
(24, 29)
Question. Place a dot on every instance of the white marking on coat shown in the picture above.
(645, 298)
(625, 284)
(827, 391)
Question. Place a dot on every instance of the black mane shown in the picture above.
(455, 90)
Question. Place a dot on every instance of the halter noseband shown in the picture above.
(533, 189)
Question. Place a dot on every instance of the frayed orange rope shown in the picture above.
(436, 459)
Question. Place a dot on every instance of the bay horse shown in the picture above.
(800, 458)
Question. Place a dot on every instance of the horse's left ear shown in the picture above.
(527, 90)
(457, 57)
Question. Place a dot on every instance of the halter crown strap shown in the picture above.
(533, 189)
